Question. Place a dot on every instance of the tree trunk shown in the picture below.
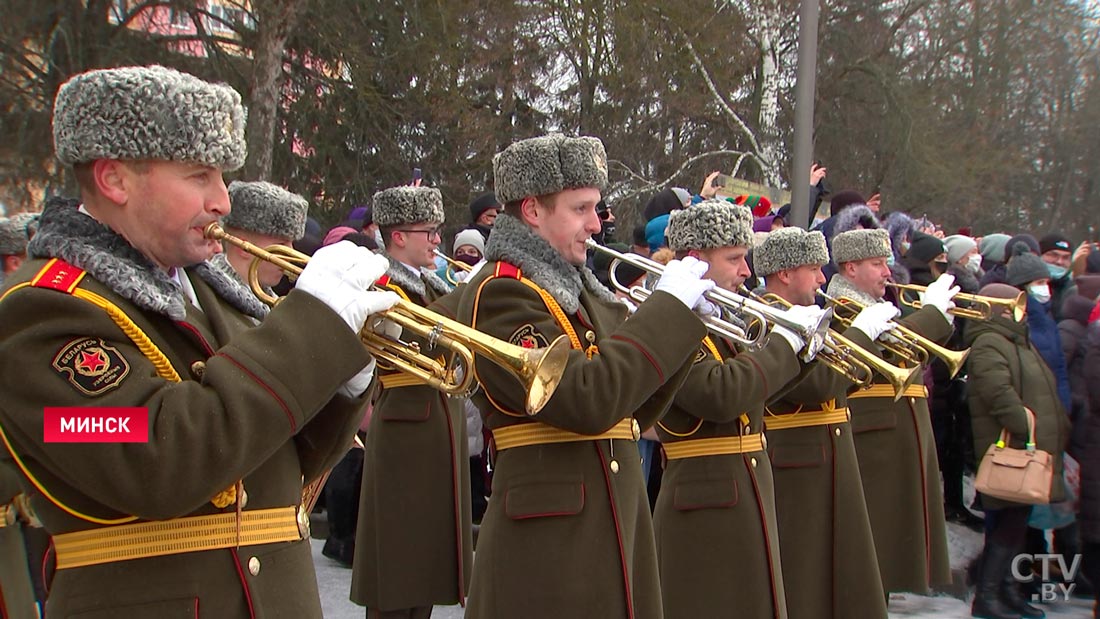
(274, 19)
(766, 21)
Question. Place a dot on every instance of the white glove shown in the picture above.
(939, 295)
(706, 309)
(339, 276)
(683, 280)
(874, 320)
(358, 383)
(803, 315)
(792, 338)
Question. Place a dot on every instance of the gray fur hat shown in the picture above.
(148, 113)
(267, 209)
(789, 248)
(709, 224)
(15, 231)
(860, 245)
(549, 164)
(407, 205)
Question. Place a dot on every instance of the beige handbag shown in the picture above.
(1017, 475)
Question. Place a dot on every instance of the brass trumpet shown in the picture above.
(454, 265)
(750, 309)
(981, 308)
(911, 346)
(853, 361)
(539, 369)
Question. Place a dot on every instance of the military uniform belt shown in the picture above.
(394, 380)
(176, 536)
(717, 446)
(805, 419)
(8, 515)
(886, 391)
(535, 433)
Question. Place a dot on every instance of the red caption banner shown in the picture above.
(95, 424)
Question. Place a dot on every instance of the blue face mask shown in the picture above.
(1056, 272)
(890, 260)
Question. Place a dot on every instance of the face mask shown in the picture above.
(1041, 292)
(890, 260)
(905, 245)
(468, 259)
(941, 266)
(1056, 272)
(378, 237)
(974, 265)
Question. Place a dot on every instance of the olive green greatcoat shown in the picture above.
(1006, 374)
(717, 539)
(829, 563)
(565, 534)
(412, 542)
(901, 479)
(17, 595)
(254, 402)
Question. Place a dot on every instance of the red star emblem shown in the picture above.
(91, 362)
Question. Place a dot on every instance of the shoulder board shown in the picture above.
(58, 275)
(508, 270)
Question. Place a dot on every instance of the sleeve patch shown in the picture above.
(700, 355)
(91, 366)
(528, 337)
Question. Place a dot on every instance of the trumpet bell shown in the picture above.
(538, 369)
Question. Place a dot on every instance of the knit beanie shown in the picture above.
(1024, 269)
(958, 246)
(924, 247)
(469, 236)
(992, 247)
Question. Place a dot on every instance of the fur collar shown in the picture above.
(402, 276)
(513, 242)
(839, 287)
(966, 280)
(66, 233)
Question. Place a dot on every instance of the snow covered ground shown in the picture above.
(335, 583)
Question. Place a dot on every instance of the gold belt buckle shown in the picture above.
(303, 522)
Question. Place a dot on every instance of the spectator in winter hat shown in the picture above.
(655, 232)
(483, 212)
(1028, 272)
(1056, 251)
(926, 259)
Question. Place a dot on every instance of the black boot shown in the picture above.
(1014, 599)
(960, 515)
(996, 563)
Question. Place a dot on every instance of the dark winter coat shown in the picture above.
(1089, 515)
(1007, 373)
(995, 273)
(1074, 334)
(1060, 290)
(1043, 333)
